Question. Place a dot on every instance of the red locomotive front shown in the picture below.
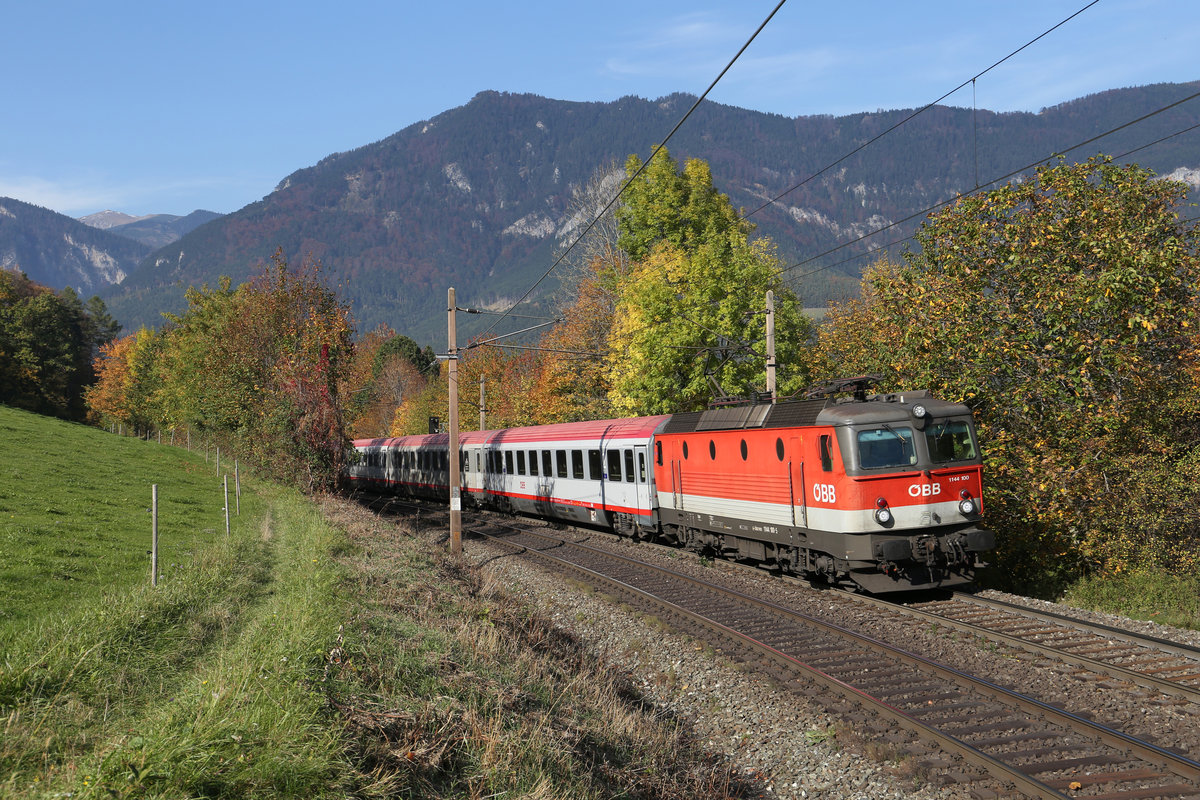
(881, 493)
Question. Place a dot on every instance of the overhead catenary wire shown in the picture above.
(700, 99)
(635, 176)
(992, 182)
(903, 239)
(918, 112)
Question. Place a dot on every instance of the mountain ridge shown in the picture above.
(59, 251)
(479, 196)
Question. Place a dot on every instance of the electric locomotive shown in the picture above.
(878, 493)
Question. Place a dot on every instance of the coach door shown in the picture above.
(641, 466)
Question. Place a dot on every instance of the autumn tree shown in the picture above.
(106, 398)
(258, 367)
(1062, 308)
(572, 385)
(290, 340)
(386, 369)
(679, 207)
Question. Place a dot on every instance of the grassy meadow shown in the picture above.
(317, 651)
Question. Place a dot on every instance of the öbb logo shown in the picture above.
(924, 489)
(824, 493)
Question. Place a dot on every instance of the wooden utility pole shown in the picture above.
(771, 344)
(455, 484)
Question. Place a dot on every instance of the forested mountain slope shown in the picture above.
(479, 196)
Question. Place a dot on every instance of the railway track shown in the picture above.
(1151, 662)
(1030, 747)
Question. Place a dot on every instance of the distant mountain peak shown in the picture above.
(109, 219)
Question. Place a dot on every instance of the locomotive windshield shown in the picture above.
(950, 440)
(886, 447)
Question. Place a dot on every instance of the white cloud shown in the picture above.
(88, 194)
(65, 198)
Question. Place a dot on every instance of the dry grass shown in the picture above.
(482, 695)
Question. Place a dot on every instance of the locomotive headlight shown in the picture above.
(967, 505)
(919, 411)
(883, 514)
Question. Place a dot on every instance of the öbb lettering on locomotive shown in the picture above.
(880, 493)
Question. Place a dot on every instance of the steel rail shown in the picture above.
(1178, 764)
(1026, 784)
(1166, 686)
(1175, 648)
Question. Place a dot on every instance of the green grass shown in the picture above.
(1166, 599)
(202, 687)
(75, 513)
(292, 658)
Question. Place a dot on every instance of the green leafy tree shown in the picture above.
(688, 321)
(679, 207)
(47, 343)
(1063, 309)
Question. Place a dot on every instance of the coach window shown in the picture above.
(628, 466)
(520, 462)
(577, 465)
(508, 463)
(641, 467)
(547, 464)
(614, 465)
(560, 456)
(658, 453)
(533, 465)
(595, 465)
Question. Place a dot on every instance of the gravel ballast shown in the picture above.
(795, 747)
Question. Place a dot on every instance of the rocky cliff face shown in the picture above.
(58, 251)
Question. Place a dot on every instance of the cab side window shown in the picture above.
(825, 446)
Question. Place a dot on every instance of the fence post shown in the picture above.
(154, 535)
(226, 482)
(237, 487)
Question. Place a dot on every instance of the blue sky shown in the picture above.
(164, 107)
